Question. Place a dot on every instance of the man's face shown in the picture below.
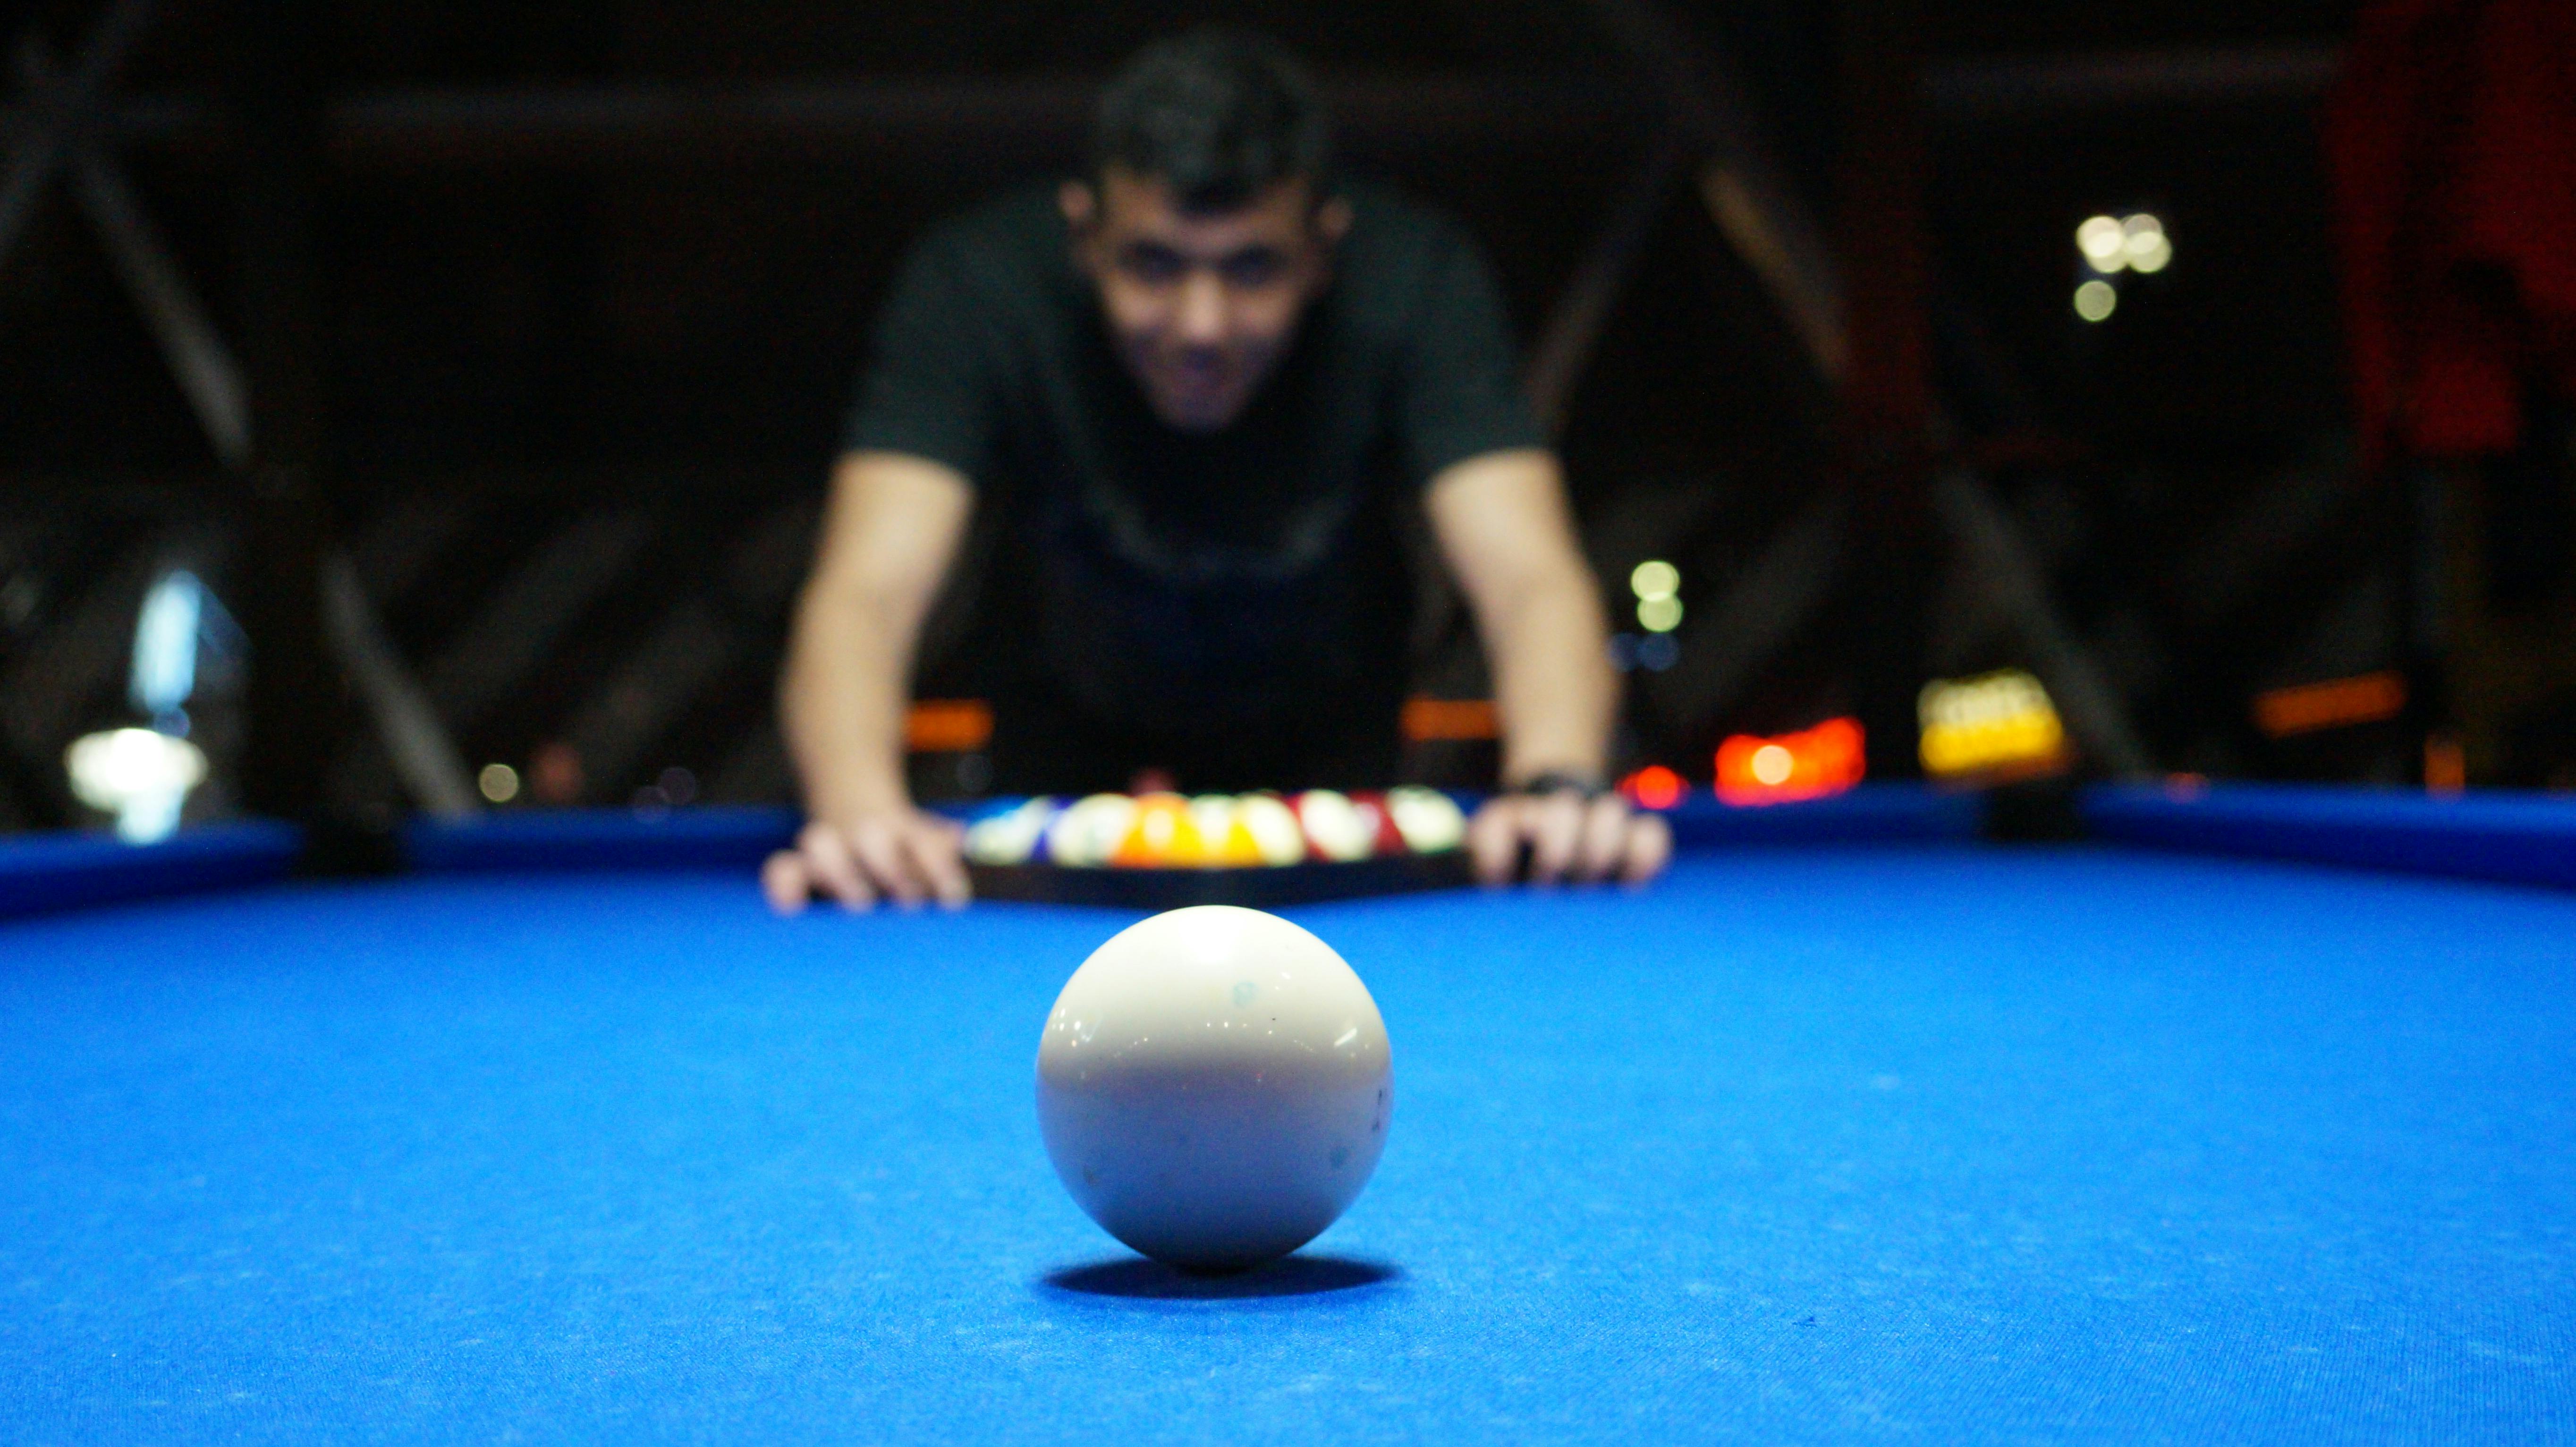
(1201, 305)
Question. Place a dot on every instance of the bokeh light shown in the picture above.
(1655, 578)
(1772, 765)
(2095, 300)
(1808, 764)
(1659, 615)
(140, 776)
(1654, 787)
(2103, 240)
(499, 783)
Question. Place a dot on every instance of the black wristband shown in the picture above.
(1557, 782)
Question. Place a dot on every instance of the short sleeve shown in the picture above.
(929, 385)
(1460, 395)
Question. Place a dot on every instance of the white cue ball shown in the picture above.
(1214, 1087)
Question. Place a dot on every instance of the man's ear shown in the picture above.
(1079, 203)
(1333, 221)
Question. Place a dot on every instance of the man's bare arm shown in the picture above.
(889, 535)
(1504, 526)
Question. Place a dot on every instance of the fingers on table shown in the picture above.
(1555, 830)
(1561, 837)
(784, 883)
(937, 851)
(907, 861)
(832, 867)
(1649, 848)
(1494, 840)
(1605, 838)
(882, 852)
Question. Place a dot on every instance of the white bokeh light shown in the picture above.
(140, 776)
(2102, 239)
(1772, 765)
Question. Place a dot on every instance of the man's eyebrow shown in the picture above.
(1157, 247)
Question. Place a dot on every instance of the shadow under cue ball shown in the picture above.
(1214, 1087)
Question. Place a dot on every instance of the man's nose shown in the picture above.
(1203, 310)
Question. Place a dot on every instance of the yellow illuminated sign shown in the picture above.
(1994, 723)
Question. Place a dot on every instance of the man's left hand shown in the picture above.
(1567, 837)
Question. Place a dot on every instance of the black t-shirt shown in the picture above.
(1197, 587)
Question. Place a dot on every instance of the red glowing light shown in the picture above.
(1810, 764)
(1654, 787)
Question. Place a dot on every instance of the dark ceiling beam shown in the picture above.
(2057, 83)
(43, 130)
(407, 725)
(198, 359)
(573, 124)
(295, 697)
(123, 119)
(1582, 311)
(1746, 189)
(1884, 428)
(704, 636)
(467, 125)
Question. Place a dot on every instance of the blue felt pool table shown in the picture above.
(1873, 1135)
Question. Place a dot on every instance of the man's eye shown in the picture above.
(1152, 264)
(1258, 267)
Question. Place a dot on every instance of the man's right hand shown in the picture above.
(904, 855)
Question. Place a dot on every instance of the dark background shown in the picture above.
(582, 350)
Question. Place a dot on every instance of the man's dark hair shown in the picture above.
(1220, 116)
